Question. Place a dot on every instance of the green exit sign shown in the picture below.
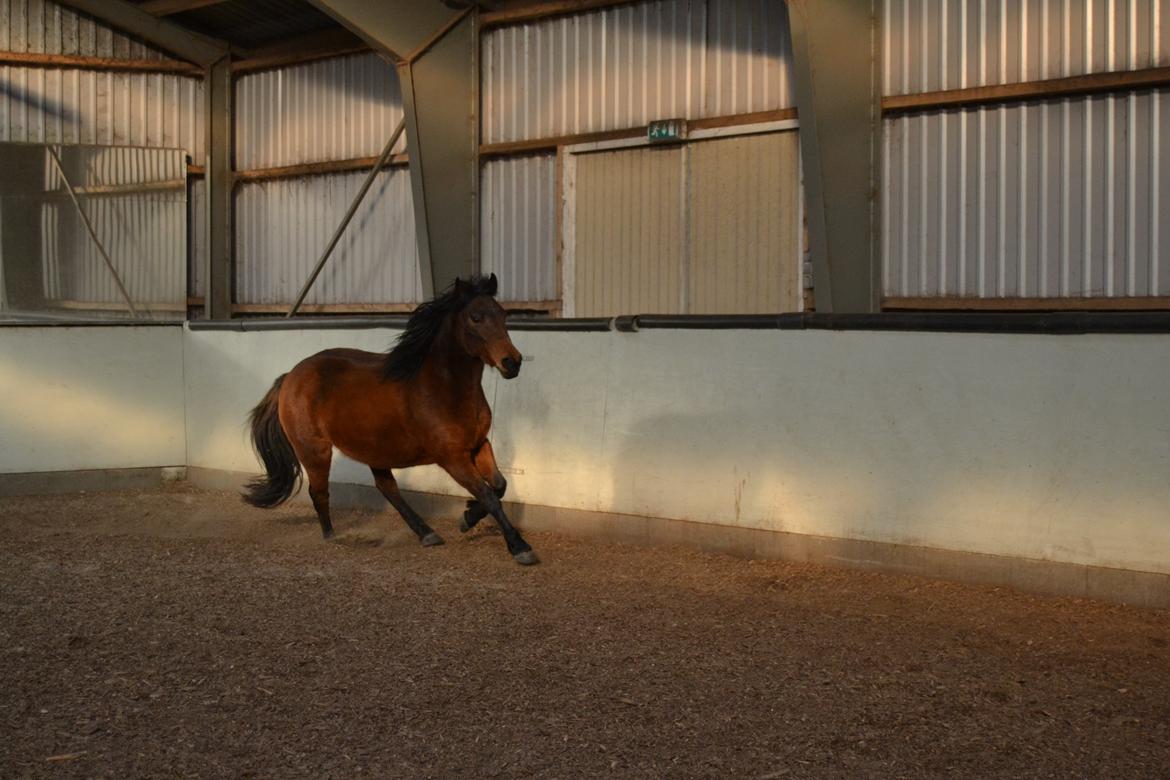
(663, 130)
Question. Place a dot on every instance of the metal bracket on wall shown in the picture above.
(435, 37)
(89, 228)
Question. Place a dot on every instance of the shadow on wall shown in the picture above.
(971, 443)
(38, 102)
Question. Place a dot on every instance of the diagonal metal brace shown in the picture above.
(92, 234)
(353, 207)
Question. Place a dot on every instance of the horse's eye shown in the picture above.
(477, 317)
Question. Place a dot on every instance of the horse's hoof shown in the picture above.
(431, 540)
(526, 558)
(464, 526)
(327, 535)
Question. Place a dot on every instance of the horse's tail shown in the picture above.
(273, 448)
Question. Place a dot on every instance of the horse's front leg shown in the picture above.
(388, 487)
(468, 476)
(485, 464)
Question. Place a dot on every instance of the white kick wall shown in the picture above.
(82, 398)
(1048, 448)
(1054, 448)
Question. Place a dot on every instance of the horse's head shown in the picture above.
(481, 328)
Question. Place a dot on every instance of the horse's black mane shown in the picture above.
(412, 347)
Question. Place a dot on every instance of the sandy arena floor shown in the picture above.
(181, 633)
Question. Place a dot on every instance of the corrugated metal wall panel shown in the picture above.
(630, 232)
(934, 45)
(625, 66)
(749, 57)
(334, 109)
(282, 227)
(41, 105)
(145, 234)
(518, 226)
(43, 27)
(744, 223)
(1061, 198)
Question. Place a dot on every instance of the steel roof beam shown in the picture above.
(180, 41)
(169, 7)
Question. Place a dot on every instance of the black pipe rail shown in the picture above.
(1056, 323)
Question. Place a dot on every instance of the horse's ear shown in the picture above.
(492, 285)
(461, 287)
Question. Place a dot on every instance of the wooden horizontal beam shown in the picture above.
(550, 144)
(325, 308)
(1090, 84)
(78, 62)
(736, 120)
(529, 13)
(73, 305)
(195, 171)
(171, 7)
(337, 42)
(136, 188)
(316, 169)
(954, 303)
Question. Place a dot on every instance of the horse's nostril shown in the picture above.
(510, 365)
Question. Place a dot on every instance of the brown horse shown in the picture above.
(419, 404)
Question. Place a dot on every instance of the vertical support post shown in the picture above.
(217, 86)
(836, 52)
(440, 93)
(418, 192)
(22, 169)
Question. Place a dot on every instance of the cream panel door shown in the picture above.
(630, 234)
(744, 231)
(710, 227)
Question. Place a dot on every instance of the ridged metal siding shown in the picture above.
(110, 109)
(743, 219)
(145, 234)
(50, 105)
(41, 27)
(518, 226)
(282, 227)
(934, 45)
(625, 66)
(1062, 198)
(335, 109)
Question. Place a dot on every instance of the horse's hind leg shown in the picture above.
(485, 464)
(388, 487)
(317, 470)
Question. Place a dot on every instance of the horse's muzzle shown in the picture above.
(510, 368)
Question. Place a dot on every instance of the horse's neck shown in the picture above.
(449, 371)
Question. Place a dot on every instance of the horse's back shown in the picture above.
(340, 396)
(338, 369)
(346, 357)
